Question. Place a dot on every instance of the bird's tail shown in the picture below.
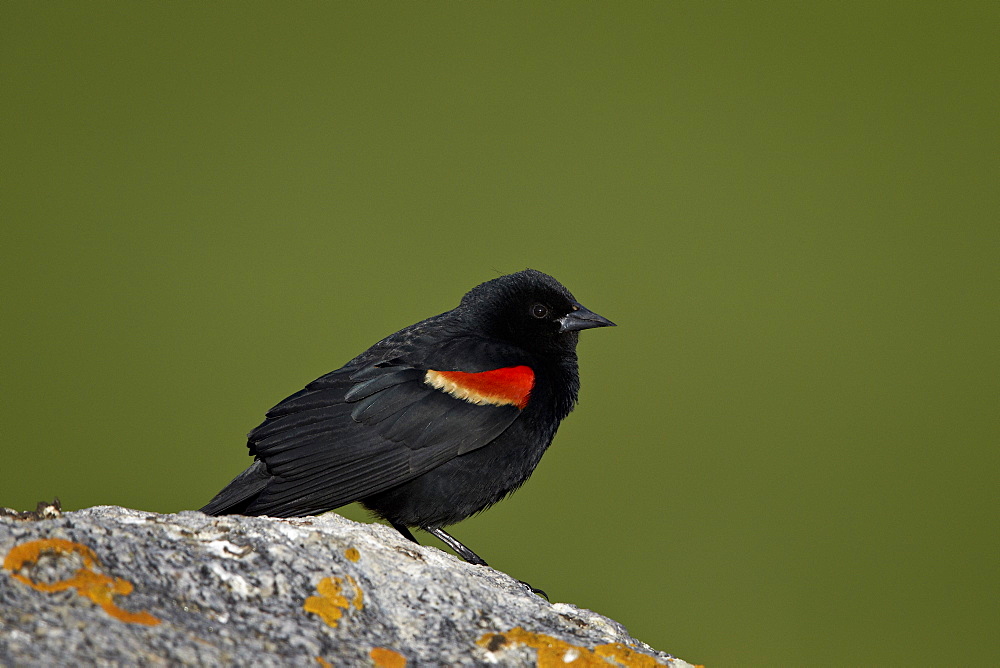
(240, 493)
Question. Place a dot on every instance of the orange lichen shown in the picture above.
(359, 597)
(387, 658)
(553, 652)
(625, 655)
(99, 588)
(323, 662)
(331, 602)
(352, 554)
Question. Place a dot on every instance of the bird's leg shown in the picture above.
(470, 556)
(447, 539)
(405, 532)
(459, 549)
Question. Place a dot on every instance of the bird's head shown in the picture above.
(531, 310)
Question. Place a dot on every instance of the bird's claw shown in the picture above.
(537, 592)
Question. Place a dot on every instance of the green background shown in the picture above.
(786, 453)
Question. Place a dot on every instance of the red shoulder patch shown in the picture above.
(507, 386)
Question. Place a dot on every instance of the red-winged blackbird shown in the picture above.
(430, 425)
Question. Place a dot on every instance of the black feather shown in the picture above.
(374, 431)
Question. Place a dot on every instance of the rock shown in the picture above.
(109, 585)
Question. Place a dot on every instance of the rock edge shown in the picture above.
(110, 585)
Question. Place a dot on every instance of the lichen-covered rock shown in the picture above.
(109, 585)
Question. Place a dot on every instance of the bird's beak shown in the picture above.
(582, 318)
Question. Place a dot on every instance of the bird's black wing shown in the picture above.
(366, 428)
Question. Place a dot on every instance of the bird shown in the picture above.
(430, 425)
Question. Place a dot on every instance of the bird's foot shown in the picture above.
(537, 592)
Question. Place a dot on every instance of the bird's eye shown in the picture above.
(539, 310)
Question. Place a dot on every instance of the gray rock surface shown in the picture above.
(112, 586)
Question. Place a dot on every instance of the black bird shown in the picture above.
(430, 425)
